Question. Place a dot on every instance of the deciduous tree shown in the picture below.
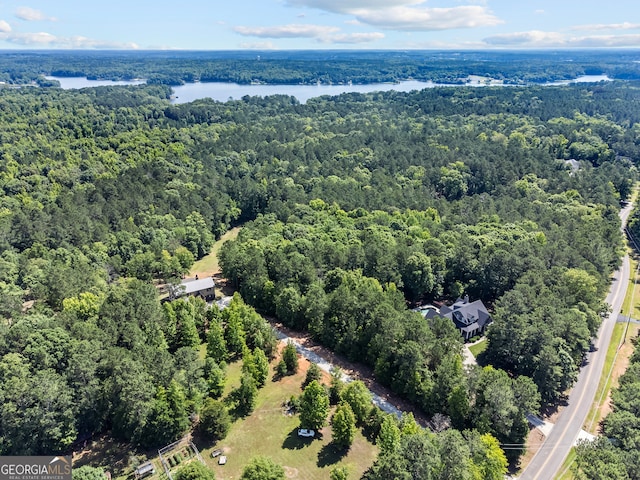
(314, 406)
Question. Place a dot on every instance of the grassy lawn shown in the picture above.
(478, 348)
(208, 265)
(269, 431)
(633, 291)
(565, 471)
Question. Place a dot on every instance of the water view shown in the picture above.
(70, 83)
(223, 92)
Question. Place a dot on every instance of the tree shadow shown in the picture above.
(331, 454)
(294, 442)
(482, 359)
(202, 440)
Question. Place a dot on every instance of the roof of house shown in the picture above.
(196, 285)
(465, 314)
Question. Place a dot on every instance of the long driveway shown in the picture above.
(549, 459)
(324, 364)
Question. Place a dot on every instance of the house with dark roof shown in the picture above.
(471, 318)
(197, 287)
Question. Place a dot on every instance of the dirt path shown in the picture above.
(355, 371)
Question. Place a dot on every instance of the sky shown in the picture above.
(319, 24)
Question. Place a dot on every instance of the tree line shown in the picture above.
(175, 68)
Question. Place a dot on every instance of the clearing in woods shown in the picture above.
(208, 265)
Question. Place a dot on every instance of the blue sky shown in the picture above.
(319, 24)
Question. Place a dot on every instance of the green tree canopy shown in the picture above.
(194, 471)
(314, 406)
(262, 468)
(343, 424)
(215, 421)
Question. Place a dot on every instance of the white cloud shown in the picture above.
(533, 37)
(36, 38)
(294, 30)
(4, 26)
(321, 33)
(353, 38)
(540, 39)
(347, 6)
(609, 26)
(540, 12)
(44, 39)
(443, 45)
(599, 41)
(32, 15)
(425, 19)
(406, 15)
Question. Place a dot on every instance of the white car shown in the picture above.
(222, 460)
(303, 432)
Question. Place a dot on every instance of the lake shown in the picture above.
(70, 83)
(222, 91)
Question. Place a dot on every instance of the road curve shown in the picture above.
(551, 455)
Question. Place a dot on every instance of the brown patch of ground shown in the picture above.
(290, 472)
(355, 370)
(104, 451)
(536, 438)
(534, 441)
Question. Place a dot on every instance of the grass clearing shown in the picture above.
(267, 431)
(209, 265)
(479, 347)
(565, 470)
(270, 431)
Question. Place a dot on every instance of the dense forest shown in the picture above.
(354, 209)
(310, 67)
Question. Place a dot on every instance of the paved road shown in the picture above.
(549, 459)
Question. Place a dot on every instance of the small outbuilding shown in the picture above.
(144, 470)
